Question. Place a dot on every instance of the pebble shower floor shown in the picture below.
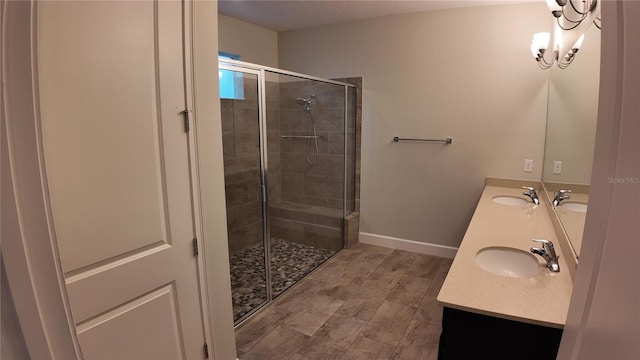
(290, 262)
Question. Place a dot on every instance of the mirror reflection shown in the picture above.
(571, 128)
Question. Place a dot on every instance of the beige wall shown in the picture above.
(464, 73)
(256, 44)
(572, 114)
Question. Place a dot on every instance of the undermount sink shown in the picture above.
(507, 261)
(574, 206)
(510, 200)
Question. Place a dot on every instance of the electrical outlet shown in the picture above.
(528, 165)
(557, 167)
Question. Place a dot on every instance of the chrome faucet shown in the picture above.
(531, 192)
(560, 195)
(548, 253)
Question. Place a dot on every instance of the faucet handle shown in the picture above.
(531, 192)
(559, 196)
(543, 241)
(548, 252)
(548, 247)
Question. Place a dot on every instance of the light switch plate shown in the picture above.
(528, 165)
(557, 167)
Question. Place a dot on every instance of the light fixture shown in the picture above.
(569, 14)
(540, 46)
(598, 22)
(571, 55)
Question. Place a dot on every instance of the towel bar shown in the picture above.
(446, 140)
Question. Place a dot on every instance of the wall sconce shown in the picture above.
(540, 46)
(570, 13)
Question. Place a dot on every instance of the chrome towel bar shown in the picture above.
(299, 136)
(446, 140)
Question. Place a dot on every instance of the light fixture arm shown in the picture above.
(565, 16)
(543, 63)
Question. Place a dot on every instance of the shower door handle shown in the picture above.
(263, 193)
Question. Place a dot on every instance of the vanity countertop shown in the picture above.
(541, 300)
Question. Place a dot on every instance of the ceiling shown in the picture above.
(283, 15)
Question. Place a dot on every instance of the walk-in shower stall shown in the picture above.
(289, 162)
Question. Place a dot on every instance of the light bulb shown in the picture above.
(534, 50)
(578, 43)
(541, 40)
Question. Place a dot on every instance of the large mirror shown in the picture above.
(571, 129)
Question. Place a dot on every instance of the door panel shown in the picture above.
(102, 128)
(138, 342)
(112, 89)
(86, 290)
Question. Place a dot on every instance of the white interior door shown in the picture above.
(112, 89)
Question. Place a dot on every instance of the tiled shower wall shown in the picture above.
(240, 139)
(290, 177)
(320, 184)
(273, 141)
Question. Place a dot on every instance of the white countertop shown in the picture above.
(542, 299)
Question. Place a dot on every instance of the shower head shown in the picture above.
(305, 102)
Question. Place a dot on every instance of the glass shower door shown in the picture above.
(240, 105)
(305, 121)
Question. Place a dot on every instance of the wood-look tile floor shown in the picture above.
(367, 302)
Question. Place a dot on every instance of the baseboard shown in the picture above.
(408, 245)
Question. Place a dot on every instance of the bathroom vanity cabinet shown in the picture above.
(467, 335)
(494, 314)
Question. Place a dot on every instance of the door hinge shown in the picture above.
(185, 116)
(206, 351)
(195, 247)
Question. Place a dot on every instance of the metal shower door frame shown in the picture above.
(260, 71)
(262, 145)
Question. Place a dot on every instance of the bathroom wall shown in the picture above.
(255, 43)
(320, 184)
(464, 73)
(572, 114)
